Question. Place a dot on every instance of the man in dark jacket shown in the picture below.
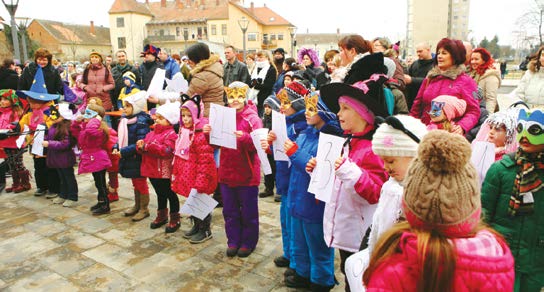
(234, 69)
(53, 82)
(8, 75)
(417, 72)
(148, 68)
(117, 72)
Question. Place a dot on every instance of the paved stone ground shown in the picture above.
(46, 247)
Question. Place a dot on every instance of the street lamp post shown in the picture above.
(185, 37)
(23, 24)
(292, 31)
(12, 8)
(243, 23)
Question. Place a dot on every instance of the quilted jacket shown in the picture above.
(158, 152)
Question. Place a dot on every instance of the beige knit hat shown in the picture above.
(388, 141)
(442, 191)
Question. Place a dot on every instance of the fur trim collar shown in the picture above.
(487, 73)
(204, 64)
(451, 73)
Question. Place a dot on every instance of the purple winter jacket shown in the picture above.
(453, 81)
(60, 154)
(91, 140)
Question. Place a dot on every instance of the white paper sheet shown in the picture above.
(198, 205)
(223, 123)
(257, 136)
(279, 127)
(328, 150)
(21, 140)
(177, 84)
(483, 155)
(157, 83)
(39, 135)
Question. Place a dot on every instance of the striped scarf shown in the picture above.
(527, 182)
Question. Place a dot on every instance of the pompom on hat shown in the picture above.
(170, 111)
(390, 141)
(442, 190)
(150, 49)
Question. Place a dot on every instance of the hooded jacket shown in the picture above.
(158, 152)
(241, 166)
(453, 81)
(130, 162)
(60, 153)
(207, 81)
(6, 121)
(91, 140)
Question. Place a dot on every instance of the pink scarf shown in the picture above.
(122, 131)
(37, 117)
(183, 143)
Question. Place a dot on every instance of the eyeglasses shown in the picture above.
(396, 124)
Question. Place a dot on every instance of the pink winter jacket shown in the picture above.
(98, 84)
(241, 166)
(91, 140)
(453, 81)
(355, 196)
(158, 152)
(5, 124)
(476, 269)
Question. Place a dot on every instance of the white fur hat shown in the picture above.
(170, 111)
(138, 102)
(388, 141)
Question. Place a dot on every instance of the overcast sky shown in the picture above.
(368, 18)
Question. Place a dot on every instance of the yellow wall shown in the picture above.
(235, 33)
(134, 31)
(82, 52)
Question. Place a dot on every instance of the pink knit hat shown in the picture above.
(453, 107)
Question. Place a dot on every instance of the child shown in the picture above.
(240, 176)
(396, 149)
(500, 129)
(292, 106)
(134, 126)
(80, 93)
(61, 157)
(314, 260)
(10, 112)
(359, 173)
(157, 151)
(445, 110)
(287, 78)
(194, 164)
(442, 246)
(93, 135)
(270, 104)
(130, 88)
(512, 199)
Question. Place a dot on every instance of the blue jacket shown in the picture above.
(130, 162)
(295, 125)
(279, 83)
(302, 204)
(171, 67)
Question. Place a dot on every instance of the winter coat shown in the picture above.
(131, 160)
(91, 140)
(453, 81)
(241, 166)
(531, 88)
(199, 171)
(295, 123)
(264, 86)
(60, 153)
(158, 152)
(6, 121)
(99, 82)
(8, 78)
(27, 120)
(114, 158)
(418, 71)
(489, 83)
(473, 272)
(147, 71)
(207, 80)
(524, 233)
(171, 68)
(363, 68)
(355, 196)
(235, 72)
(471, 134)
(53, 82)
(117, 72)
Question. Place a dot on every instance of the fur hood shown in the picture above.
(451, 73)
(211, 65)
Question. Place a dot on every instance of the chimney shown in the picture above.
(147, 2)
(251, 7)
(217, 2)
(92, 28)
(338, 31)
(163, 3)
(179, 4)
(188, 3)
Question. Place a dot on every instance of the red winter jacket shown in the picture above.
(473, 272)
(158, 152)
(199, 171)
(5, 124)
(241, 166)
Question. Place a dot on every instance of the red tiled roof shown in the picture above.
(267, 16)
(76, 33)
(181, 13)
(120, 6)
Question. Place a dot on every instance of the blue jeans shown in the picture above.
(68, 183)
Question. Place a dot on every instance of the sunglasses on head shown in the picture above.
(396, 124)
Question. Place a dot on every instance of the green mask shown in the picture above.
(531, 126)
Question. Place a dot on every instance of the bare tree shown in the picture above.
(532, 20)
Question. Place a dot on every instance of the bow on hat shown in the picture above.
(196, 99)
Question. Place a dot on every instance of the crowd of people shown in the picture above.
(417, 203)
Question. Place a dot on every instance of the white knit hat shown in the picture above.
(388, 141)
(170, 111)
(138, 102)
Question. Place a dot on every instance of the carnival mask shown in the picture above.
(530, 125)
(311, 104)
(236, 94)
(436, 108)
(285, 102)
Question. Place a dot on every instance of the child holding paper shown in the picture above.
(314, 261)
(157, 150)
(271, 103)
(240, 176)
(194, 165)
(359, 172)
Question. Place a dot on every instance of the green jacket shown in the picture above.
(524, 234)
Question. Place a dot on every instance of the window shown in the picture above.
(178, 31)
(214, 29)
(120, 22)
(161, 32)
(272, 37)
(223, 29)
(252, 37)
(121, 42)
(185, 33)
(280, 36)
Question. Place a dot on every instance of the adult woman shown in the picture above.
(486, 75)
(448, 77)
(358, 62)
(310, 60)
(98, 80)
(384, 46)
(250, 62)
(531, 86)
(262, 79)
(8, 75)
(42, 58)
